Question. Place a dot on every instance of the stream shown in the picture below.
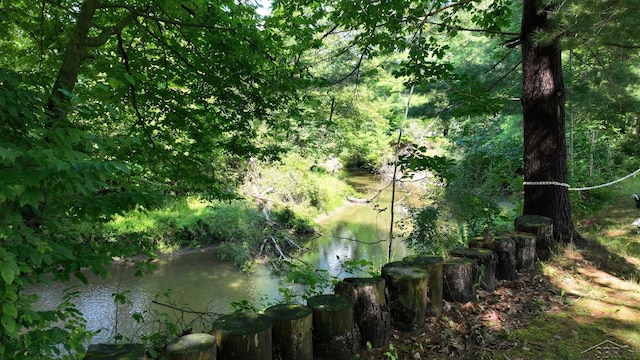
(198, 280)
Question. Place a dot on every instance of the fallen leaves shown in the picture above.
(474, 329)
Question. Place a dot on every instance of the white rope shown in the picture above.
(556, 183)
(545, 183)
(607, 184)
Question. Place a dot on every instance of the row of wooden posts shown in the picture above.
(362, 311)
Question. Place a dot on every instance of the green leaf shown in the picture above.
(130, 79)
(9, 325)
(115, 83)
(9, 308)
(8, 154)
(7, 270)
(32, 196)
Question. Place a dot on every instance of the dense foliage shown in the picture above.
(109, 110)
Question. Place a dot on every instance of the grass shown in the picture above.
(600, 289)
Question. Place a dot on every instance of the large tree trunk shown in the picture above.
(74, 55)
(543, 101)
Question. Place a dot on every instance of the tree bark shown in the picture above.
(543, 110)
(291, 331)
(74, 55)
(433, 264)
(460, 279)
(408, 285)
(505, 249)
(542, 228)
(371, 309)
(486, 261)
(243, 336)
(335, 336)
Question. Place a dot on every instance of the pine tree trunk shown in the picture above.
(543, 106)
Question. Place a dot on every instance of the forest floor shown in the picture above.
(584, 303)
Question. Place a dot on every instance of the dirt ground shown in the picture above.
(573, 285)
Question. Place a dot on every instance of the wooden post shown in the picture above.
(505, 249)
(542, 228)
(433, 264)
(408, 285)
(525, 250)
(335, 336)
(291, 331)
(486, 261)
(193, 347)
(460, 279)
(371, 309)
(243, 335)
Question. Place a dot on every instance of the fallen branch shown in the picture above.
(188, 311)
(371, 198)
(275, 243)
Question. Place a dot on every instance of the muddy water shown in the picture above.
(200, 281)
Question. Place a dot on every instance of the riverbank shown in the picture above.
(210, 248)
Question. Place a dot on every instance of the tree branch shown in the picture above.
(107, 33)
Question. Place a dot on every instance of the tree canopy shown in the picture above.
(109, 105)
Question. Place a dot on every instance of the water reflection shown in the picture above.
(202, 282)
(197, 280)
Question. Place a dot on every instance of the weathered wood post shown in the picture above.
(542, 228)
(486, 261)
(371, 309)
(291, 331)
(408, 285)
(193, 347)
(525, 250)
(243, 335)
(505, 249)
(335, 336)
(433, 264)
(460, 279)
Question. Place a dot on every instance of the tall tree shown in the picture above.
(423, 29)
(106, 105)
(543, 111)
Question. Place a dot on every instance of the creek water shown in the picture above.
(198, 280)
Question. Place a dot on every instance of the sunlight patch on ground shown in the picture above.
(615, 233)
(597, 298)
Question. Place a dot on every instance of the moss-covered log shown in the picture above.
(486, 261)
(291, 331)
(371, 309)
(408, 284)
(542, 228)
(525, 250)
(460, 277)
(335, 336)
(505, 249)
(243, 335)
(433, 264)
(193, 347)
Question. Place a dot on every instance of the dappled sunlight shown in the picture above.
(615, 233)
(597, 298)
(236, 284)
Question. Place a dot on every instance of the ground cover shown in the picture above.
(582, 304)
